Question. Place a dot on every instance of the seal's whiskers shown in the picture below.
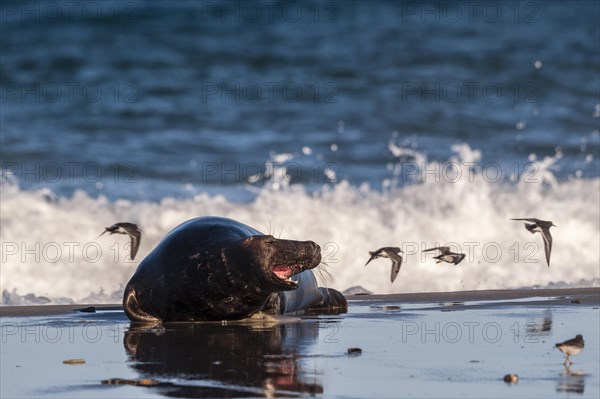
(323, 274)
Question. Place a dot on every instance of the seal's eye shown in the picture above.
(270, 240)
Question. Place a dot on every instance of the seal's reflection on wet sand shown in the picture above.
(210, 359)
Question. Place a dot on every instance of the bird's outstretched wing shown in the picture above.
(443, 250)
(530, 227)
(374, 255)
(531, 220)
(112, 229)
(459, 258)
(547, 243)
(396, 264)
(136, 237)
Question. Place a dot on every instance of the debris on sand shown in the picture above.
(354, 351)
(74, 361)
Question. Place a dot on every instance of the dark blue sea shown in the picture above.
(353, 123)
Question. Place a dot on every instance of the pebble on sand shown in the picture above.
(354, 351)
(74, 361)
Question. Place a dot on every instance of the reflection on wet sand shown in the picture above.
(209, 359)
(571, 381)
(541, 328)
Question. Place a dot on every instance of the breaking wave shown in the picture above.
(51, 252)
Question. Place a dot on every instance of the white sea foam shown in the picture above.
(49, 243)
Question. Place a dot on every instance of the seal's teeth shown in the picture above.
(283, 272)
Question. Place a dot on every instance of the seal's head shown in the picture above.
(276, 260)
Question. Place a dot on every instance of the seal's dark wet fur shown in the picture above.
(213, 268)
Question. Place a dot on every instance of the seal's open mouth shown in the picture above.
(284, 272)
(282, 259)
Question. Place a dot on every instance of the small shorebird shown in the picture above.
(542, 227)
(571, 347)
(131, 230)
(390, 253)
(446, 255)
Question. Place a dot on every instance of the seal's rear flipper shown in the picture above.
(309, 297)
(302, 297)
(132, 308)
(331, 302)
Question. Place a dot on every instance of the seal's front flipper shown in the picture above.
(274, 304)
(132, 308)
(331, 302)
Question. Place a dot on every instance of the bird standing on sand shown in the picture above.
(542, 227)
(132, 230)
(390, 253)
(571, 347)
(446, 255)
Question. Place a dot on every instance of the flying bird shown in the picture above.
(542, 227)
(390, 253)
(132, 230)
(446, 255)
(571, 347)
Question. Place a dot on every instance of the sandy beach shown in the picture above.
(457, 344)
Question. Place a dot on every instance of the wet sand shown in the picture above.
(456, 344)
